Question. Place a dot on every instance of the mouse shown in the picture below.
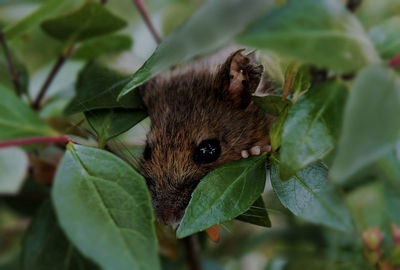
(201, 118)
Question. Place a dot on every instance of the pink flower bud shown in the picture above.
(372, 238)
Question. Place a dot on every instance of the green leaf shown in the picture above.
(331, 37)
(223, 194)
(386, 37)
(14, 165)
(45, 246)
(371, 124)
(309, 195)
(257, 214)
(274, 66)
(109, 123)
(90, 20)
(367, 205)
(98, 87)
(389, 165)
(392, 203)
(197, 36)
(302, 82)
(33, 19)
(96, 47)
(312, 126)
(276, 130)
(104, 207)
(17, 120)
(272, 104)
(372, 12)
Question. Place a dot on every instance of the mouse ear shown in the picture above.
(240, 76)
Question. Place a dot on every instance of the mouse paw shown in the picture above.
(255, 151)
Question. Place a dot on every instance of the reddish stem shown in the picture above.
(145, 15)
(33, 140)
(395, 62)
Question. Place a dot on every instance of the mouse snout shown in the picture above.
(170, 211)
(169, 218)
(170, 202)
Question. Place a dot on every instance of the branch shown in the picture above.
(193, 252)
(145, 15)
(13, 72)
(33, 140)
(60, 61)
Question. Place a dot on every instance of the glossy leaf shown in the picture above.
(367, 205)
(96, 47)
(98, 88)
(45, 246)
(272, 104)
(17, 120)
(389, 165)
(223, 194)
(331, 38)
(276, 130)
(197, 36)
(302, 81)
(312, 127)
(45, 10)
(309, 195)
(274, 66)
(386, 37)
(90, 20)
(371, 124)
(257, 214)
(109, 123)
(13, 168)
(112, 204)
(392, 203)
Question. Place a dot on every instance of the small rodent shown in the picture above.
(200, 119)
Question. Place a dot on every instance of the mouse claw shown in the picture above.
(266, 148)
(255, 151)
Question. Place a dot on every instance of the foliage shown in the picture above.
(333, 175)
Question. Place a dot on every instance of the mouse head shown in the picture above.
(200, 120)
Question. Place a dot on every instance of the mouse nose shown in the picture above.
(170, 201)
(169, 218)
(170, 210)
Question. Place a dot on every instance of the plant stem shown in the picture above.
(193, 252)
(60, 61)
(33, 140)
(13, 72)
(145, 15)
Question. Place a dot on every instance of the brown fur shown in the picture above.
(187, 107)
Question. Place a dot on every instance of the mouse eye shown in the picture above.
(208, 151)
(147, 153)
